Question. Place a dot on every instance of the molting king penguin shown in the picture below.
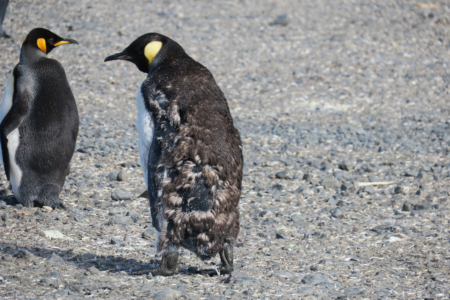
(191, 154)
(38, 122)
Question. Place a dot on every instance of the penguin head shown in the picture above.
(43, 40)
(148, 51)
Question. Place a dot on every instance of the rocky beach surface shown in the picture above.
(344, 113)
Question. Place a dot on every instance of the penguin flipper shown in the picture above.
(5, 107)
(16, 108)
(11, 122)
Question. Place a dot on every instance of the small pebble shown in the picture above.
(337, 213)
(406, 207)
(401, 190)
(411, 174)
(369, 190)
(281, 20)
(123, 175)
(314, 279)
(112, 176)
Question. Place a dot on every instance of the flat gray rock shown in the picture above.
(120, 195)
(313, 279)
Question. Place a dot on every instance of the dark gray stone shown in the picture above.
(411, 174)
(423, 206)
(116, 241)
(346, 166)
(5, 216)
(277, 187)
(406, 206)
(112, 176)
(281, 20)
(369, 190)
(314, 279)
(282, 175)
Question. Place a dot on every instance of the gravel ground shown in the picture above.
(331, 98)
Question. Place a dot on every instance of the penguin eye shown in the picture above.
(51, 41)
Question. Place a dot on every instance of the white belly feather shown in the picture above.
(15, 173)
(145, 130)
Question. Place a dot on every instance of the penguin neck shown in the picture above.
(28, 55)
(172, 51)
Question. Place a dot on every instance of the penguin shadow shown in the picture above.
(85, 261)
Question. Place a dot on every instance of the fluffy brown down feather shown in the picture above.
(198, 146)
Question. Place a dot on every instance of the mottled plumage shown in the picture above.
(194, 161)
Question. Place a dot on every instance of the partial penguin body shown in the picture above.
(190, 151)
(39, 123)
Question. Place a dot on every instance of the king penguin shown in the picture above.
(191, 154)
(38, 122)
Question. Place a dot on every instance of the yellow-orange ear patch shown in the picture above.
(42, 45)
(151, 50)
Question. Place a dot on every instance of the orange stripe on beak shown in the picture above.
(60, 43)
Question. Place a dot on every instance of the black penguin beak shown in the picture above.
(66, 41)
(118, 56)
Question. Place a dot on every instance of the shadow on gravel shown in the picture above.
(87, 261)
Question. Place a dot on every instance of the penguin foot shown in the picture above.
(226, 257)
(168, 266)
(52, 204)
(59, 205)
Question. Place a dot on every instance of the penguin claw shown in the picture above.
(216, 272)
(59, 205)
